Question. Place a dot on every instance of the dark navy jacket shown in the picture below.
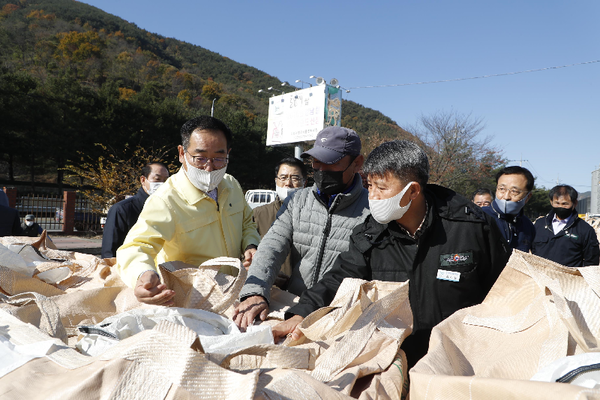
(10, 224)
(458, 239)
(576, 245)
(121, 217)
(33, 230)
(517, 230)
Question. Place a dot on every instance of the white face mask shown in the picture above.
(154, 186)
(284, 192)
(28, 223)
(387, 210)
(204, 180)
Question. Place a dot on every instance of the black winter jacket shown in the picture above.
(452, 265)
(576, 245)
(10, 224)
(517, 230)
(121, 217)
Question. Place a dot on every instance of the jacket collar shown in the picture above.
(193, 195)
(346, 198)
(550, 216)
(441, 203)
(449, 205)
(507, 217)
(142, 195)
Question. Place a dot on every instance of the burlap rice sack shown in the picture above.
(352, 350)
(536, 313)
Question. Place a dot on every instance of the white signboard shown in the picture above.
(296, 116)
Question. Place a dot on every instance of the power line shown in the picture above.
(474, 77)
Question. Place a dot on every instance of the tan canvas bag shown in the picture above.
(153, 365)
(359, 334)
(354, 349)
(537, 312)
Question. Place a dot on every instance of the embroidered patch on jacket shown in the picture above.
(572, 236)
(454, 259)
(451, 276)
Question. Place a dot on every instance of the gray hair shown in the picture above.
(401, 158)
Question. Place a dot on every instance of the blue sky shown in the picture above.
(550, 118)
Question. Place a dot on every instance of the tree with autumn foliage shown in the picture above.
(458, 157)
(108, 178)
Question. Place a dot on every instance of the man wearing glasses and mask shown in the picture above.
(313, 226)
(513, 190)
(198, 214)
(290, 175)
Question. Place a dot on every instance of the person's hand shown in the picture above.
(149, 290)
(284, 328)
(245, 313)
(248, 254)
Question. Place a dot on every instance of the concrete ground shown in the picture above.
(78, 244)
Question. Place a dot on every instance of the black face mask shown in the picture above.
(562, 213)
(331, 182)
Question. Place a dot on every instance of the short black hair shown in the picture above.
(204, 123)
(403, 159)
(482, 191)
(515, 169)
(563, 190)
(294, 162)
(148, 167)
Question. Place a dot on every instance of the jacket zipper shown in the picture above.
(324, 239)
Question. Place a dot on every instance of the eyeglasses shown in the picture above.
(285, 178)
(217, 162)
(513, 192)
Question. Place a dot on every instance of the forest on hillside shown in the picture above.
(73, 76)
(87, 97)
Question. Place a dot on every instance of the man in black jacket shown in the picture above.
(124, 214)
(450, 250)
(514, 185)
(10, 224)
(562, 236)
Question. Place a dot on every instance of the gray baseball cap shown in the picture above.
(333, 143)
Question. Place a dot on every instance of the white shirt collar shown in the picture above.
(559, 224)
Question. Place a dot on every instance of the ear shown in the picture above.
(529, 198)
(415, 190)
(181, 151)
(358, 163)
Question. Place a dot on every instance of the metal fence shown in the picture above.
(45, 208)
(49, 213)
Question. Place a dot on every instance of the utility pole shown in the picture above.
(520, 161)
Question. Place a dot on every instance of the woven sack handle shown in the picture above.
(233, 292)
(50, 322)
(342, 353)
(561, 311)
(274, 356)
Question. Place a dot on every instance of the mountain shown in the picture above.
(73, 75)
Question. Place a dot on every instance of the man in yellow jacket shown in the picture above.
(198, 214)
